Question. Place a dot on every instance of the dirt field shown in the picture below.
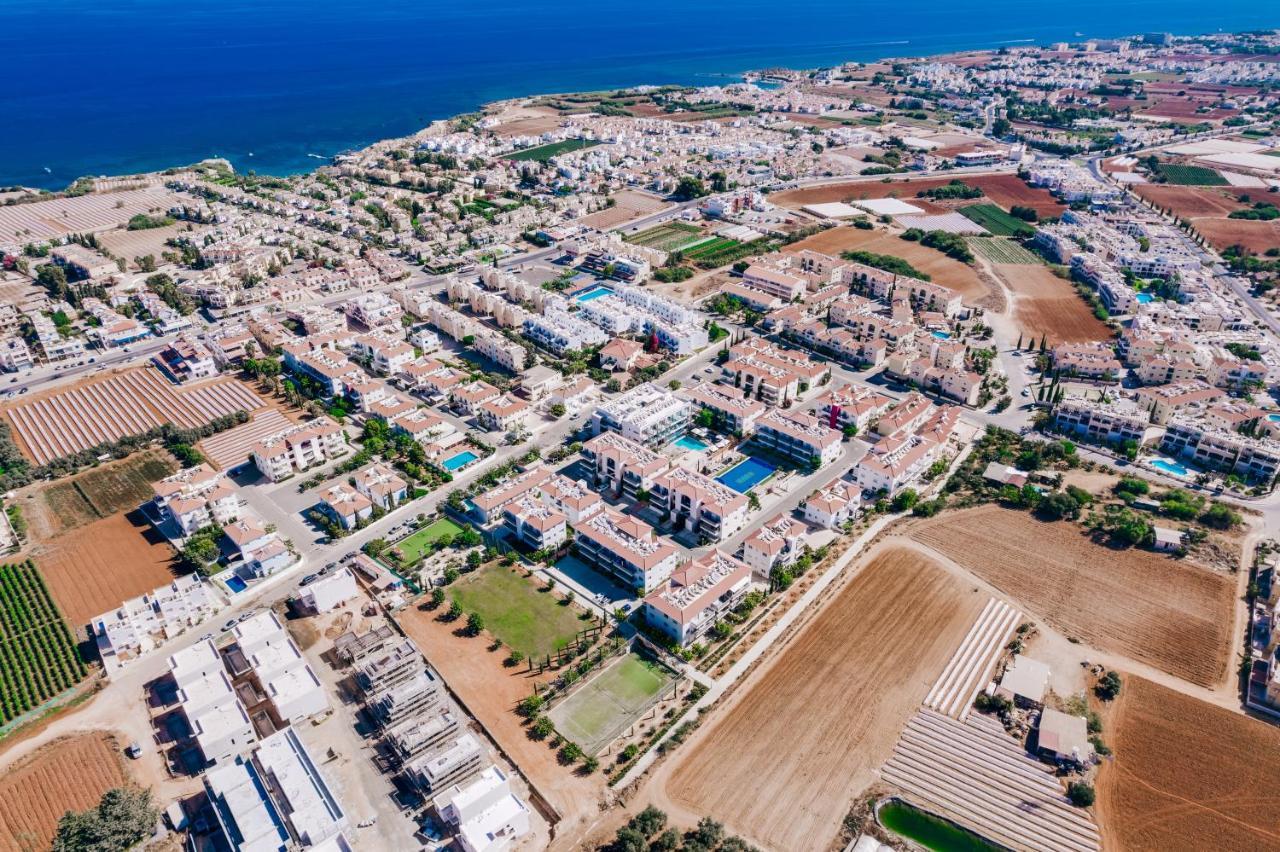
(628, 205)
(1150, 608)
(101, 565)
(1257, 237)
(1208, 208)
(782, 763)
(943, 270)
(95, 494)
(1187, 775)
(490, 693)
(69, 774)
(1045, 304)
(131, 244)
(1004, 189)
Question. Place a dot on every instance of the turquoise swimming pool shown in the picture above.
(236, 585)
(942, 335)
(1145, 298)
(1171, 467)
(1274, 418)
(460, 460)
(594, 293)
(746, 474)
(688, 442)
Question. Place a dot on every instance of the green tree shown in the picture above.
(123, 818)
(688, 188)
(475, 624)
(1058, 505)
(1108, 686)
(905, 499)
(1080, 793)
(753, 501)
(649, 821)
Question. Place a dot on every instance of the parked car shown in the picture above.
(310, 578)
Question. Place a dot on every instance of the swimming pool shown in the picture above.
(1145, 298)
(460, 460)
(1171, 467)
(1274, 418)
(746, 474)
(594, 293)
(942, 335)
(236, 585)
(688, 442)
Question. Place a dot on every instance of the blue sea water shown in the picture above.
(116, 86)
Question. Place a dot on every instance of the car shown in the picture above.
(309, 579)
(331, 565)
(1026, 392)
(205, 638)
(230, 624)
(93, 360)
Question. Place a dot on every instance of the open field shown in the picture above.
(105, 408)
(604, 707)
(490, 693)
(943, 270)
(669, 236)
(1003, 251)
(1145, 606)
(413, 547)
(99, 566)
(1005, 190)
(233, 447)
(1190, 202)
(40, 220)
(131, 244)
(1256, 236)
(96, 494)
(68, 774)
(1046, 305)
(1187, 775)
(38, 657)
(995, 220)
(1191, 175)
(782, 762)
(543, 153)
(628, 204)
(515, 611)
(1207, 207)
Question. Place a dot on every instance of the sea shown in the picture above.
(94, 87)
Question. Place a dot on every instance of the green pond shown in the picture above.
(929, 831)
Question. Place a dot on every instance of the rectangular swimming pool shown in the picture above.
(1145, 298)
(460, 460)
(594, 293)
(1171, 467)
(746, 474)
(236, 585)
(688, 442)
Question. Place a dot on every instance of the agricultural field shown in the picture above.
(1181, 175)
(416, 546)
(812, 726)
(668, 237)
(721, 251)
(1217, 789)
(953, 274)
(38, 656)
(609, 703)
(514, 610)
(995, 220)
(1255, 236)
(1005, 190)
(999, 250)
(1208, 209)
(97, 567)
(627, 205)
(544, 153)
(1148, 607)
(96, 494)
(1045, 305)
(68, 774)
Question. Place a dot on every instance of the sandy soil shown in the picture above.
(628, 205)
(55, 508)
(1257, 237)
(1187, 775)
(101, 565)
(131, 244)
(1150, 608)
(1045, 304)
(1003, 189)
(489, 693)
(782, 762)
(69, 774)
(943, 270)
(1208, 208)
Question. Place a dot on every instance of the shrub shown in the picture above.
(1080, 793)
(1108, 686)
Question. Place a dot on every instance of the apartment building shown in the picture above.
(535, 523)
(778, 542)
(504, 414)
(485, 814)
(559, 331)
(15, 355)
(195, 498)
(574, 499)
(1087, 360)
(467, 398)
(622, 466)
(710, 510)
(282, 674)
(1098, 422)
(802, 438)
(696, 596)
(391, 664)
(218, 721)
(775, 376)
(421, 733)
(418, 697)
(831, 506)
(775, 282)
(731, 413)
(1256, 460)
(454, 763)
(382, 485)
(508, 354)
(187, 360)
(487, 507)
(1163, 401)
(374, 310)
(346, 505)
(299, 447)
(625, 548)
(922, 295)
(385, 354)
(647, 414)
(851, 405)
(901, 457)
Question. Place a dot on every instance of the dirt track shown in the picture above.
(782, 762)
(69, 774)
(1150, 608)
(1045, 304)
(1187, 775)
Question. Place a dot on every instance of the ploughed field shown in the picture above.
(1145, 606)
(783, 762)
(1187, 775)
(1005, 190)
(68, 774)
(1049, 306)
(1208, 208)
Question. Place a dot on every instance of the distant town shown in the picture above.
(872, 457)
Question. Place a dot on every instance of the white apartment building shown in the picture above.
(196, 497)
(559, 332)
(647, 414)
(14, 355)
(778, 542)
(697, 595)
(710, 510)
(143, 623)
(622, 466)
(625, 548)
(385, 354)
(800, 437)
(299, 447)
(327, 593)
(535, 523)
(486, 814)
(732, 413)
(830, 507)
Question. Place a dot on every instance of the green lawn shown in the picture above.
(543, 153)
(602, 708)
(1191, 175)
(995, 220)
(515, 611)
(413, 547)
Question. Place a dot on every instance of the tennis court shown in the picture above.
(611, 702)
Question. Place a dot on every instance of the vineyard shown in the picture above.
(1181, 175)
(722, 251)
(998, 250)
(669, 236)
(38, 657)
(995, 220)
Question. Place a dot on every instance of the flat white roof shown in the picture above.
(832, 210)
(1026, 678)
(888, 206)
